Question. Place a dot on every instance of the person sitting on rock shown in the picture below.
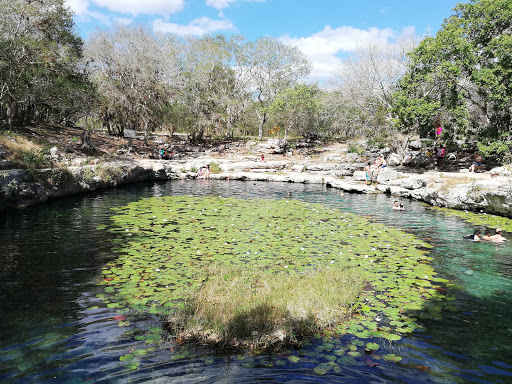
(477, 165)
(207, 172)
(440, 156)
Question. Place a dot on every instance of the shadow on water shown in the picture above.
(52, 256)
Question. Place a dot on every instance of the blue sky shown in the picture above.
(325, 30)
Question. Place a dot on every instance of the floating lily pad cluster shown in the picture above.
(166, 243)
(490, 221)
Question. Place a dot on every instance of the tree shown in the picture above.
(462, 77)
(299, 110)
(214, 90)
(136, 73)
(41, 76)
(361, 96)
(272, 67)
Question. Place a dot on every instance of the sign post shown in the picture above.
(130, 135)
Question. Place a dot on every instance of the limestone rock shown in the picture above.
(415, 144)
(394, 159)
(54, 152)
(351, 157)
(274, 146)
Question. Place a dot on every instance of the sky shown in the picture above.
(327, 31)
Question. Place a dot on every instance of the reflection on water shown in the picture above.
(52, 255)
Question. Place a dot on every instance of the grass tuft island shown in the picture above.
(239, 307)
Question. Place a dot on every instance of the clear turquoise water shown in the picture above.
(52, 255)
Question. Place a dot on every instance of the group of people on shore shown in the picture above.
(164, 154)
(204, 172)
(372, 169)
(496, 238)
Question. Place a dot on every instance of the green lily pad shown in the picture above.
(322, 369)
(126, 357)
(133, 365)
(140, 352)
(392, 357)
(372, 346)
(293, 359)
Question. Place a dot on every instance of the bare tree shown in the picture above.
(361, 92)
(271, 68)
(136, 73)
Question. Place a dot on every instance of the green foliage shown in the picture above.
(40, 63)
(501, 148)
(299, 109)
(355, 148)
(35, 159)
(461, 78)
(215, 168)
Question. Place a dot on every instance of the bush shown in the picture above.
(355, 148)
(500, 148)
(215, 168)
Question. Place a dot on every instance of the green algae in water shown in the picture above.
(483, 219)
(165, 244)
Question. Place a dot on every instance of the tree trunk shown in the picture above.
(86, 137)
(146, 133)
(263, 119)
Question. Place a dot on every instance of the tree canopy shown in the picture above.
(462, 77)
(41, 72)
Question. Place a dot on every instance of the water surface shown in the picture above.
(52, 256)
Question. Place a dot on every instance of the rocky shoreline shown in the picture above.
(481, 192)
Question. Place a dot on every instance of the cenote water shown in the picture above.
(57, 327)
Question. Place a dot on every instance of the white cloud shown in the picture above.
(123, 20)
(79, 7)
(322, 48)
(148, 7)
(221, 4)
(83, 13)
(134, 7)
(197, 27)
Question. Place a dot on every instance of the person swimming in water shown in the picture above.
(498, 237)
(475, 236)
(397, 206)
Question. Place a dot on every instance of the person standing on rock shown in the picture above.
(367, 173)
(440, 156)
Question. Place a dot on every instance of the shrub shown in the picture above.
(355, 148)
(501, 148)
(215, 168)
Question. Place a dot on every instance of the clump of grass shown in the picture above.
(355, 148)
(215, 168)
(109, 173)
(17, 146)
(455, 181)
(244, 308)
